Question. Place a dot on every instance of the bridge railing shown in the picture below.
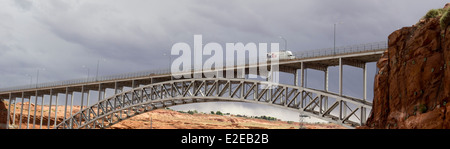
(341, 50)
(299, 55)
(88, 80)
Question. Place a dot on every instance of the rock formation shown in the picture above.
(3, 114)
(412, 87)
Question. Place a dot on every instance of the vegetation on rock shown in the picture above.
(445, 19)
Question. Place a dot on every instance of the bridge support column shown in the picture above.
(133, 85)
(115, 92)
(123, 100)
(82, 102)
(326, 80)
(343, 104)
(296, 77)
(9, 112)
(88, 96)
(340, 76)
(14, 113)
(302, 83)
(270, 75)
(65, 105)
(104, 93)
(104, 96)
(325, 103)
(341, 110)
(35, 108)
(56, 109)
(101, 95)
(98, 100)
(364, 82)
(21, 111)
(71, 110)
(115, 87)
(363, 116)
(29, 111)
(42, 111)
(295, 84)
(50, 109)
(363, 110)
(302, 69)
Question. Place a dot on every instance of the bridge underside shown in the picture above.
(310, 102)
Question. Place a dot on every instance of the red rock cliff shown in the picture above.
(412, 87)
(3, 115)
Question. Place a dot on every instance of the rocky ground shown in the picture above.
(159, 119)
(168, 119)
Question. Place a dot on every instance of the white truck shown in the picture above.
(282, 55)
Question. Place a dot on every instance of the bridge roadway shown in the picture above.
(320, 60)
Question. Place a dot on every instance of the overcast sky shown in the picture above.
(132, 35)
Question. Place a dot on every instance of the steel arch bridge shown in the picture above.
(148, 90)
(127, 104)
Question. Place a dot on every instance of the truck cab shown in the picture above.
(282, 55)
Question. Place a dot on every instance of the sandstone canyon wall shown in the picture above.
(412, 87)
(3, 114)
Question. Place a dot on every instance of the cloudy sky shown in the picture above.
(60, 36)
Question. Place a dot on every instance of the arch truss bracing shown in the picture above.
(138, 100)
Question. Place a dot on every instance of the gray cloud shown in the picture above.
(24, 4)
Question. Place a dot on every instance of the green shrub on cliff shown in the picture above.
(443, 13)
(433, 13)
(445, 19)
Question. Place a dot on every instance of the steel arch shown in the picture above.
(139, 100)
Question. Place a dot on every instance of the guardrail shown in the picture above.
(341, 50)
(88, 80)
(298, 55)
